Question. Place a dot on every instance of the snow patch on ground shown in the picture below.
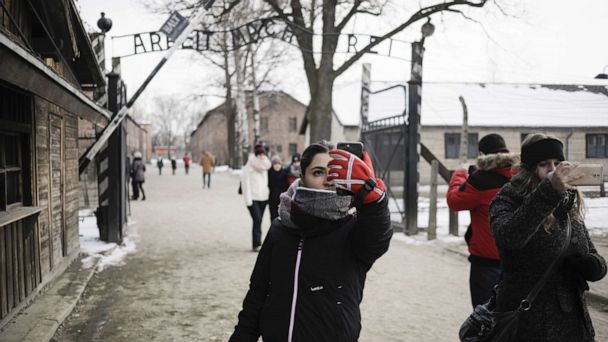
(596, 219)
(108, 253)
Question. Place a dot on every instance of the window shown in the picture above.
(15, 119)
(596, 145)
(293, 124)
(279, 148)
(11, 172)
(293, 149)
(263, 125)
(452, 145)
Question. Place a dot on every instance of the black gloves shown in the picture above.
(588, 266)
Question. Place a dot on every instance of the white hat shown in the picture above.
(137, 154)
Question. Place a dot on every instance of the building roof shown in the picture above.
(499, 105)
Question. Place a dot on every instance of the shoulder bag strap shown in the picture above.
(526, 304)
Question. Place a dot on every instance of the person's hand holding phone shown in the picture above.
(564, 175)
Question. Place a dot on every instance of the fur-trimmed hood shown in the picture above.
(497, 160)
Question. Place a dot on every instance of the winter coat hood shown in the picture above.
(497, 160)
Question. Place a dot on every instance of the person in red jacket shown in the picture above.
(473, 190)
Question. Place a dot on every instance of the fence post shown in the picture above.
(432, 229)
(453, 223)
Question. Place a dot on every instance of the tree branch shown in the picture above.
(353, 10)
(422, 13)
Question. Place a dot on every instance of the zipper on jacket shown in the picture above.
(295, 290)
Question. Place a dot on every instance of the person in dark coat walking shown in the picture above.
(529, 218)
(294, 170)
(138, 177)
(277, 184)
(160, 164)
(474, 192)
(173, 165)
(308, 280)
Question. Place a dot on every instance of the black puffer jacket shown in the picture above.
(527, 249)
(333, 263)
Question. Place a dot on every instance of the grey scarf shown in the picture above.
(322, 204)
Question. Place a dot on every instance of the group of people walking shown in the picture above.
(332, 223)
(263, 180)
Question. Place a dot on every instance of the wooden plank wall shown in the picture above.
(57, 166)
(19, 264)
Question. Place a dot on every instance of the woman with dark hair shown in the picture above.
(530, 219)
(308, 280)
(254, 185)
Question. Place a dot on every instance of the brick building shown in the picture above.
(280, 118)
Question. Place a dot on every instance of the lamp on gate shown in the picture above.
(603, 75)
(104, 24)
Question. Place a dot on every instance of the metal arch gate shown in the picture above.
(385, 140)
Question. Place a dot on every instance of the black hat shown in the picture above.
(296, 157)
(544, 149)
(492, 143)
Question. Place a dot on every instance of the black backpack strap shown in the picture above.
(526, 304)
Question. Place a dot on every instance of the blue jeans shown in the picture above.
(256, 210)
(207, 176)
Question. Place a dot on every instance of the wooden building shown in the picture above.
(47, 66)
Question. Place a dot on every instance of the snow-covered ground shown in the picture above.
(110, 254)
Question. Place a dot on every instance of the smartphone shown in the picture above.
(353, 147)
(593, 174)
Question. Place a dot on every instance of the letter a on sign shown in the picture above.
(174, 26)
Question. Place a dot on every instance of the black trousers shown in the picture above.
(256, 210)
(273, 207)
(138, 187)
(484, 275)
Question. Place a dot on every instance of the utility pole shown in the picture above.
(366, 80)
(464, 136)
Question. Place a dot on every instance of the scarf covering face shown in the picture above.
(258, 164)
(300, 202)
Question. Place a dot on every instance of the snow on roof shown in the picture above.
(491, 104)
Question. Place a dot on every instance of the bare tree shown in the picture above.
(171, 121)
(327, 19)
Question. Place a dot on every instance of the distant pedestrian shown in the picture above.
(254, 185)
(186, 160)
(308, 280)
(207, 163)
(173, 165)
(277, 184)
(474, 192)
(530, 219)
(293, 170)
(160, 164)
(137, 173)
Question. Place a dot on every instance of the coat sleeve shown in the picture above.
(599, 268)
(373, 232)
(512, 223)
(246, 186)
(247, 328)
(461, 194)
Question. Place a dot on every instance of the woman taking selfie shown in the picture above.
(530, 219)
(308, 280)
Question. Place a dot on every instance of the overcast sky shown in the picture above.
(539, 41)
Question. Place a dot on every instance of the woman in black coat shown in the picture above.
(529, 219)
(277, 184)
(308, 280)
